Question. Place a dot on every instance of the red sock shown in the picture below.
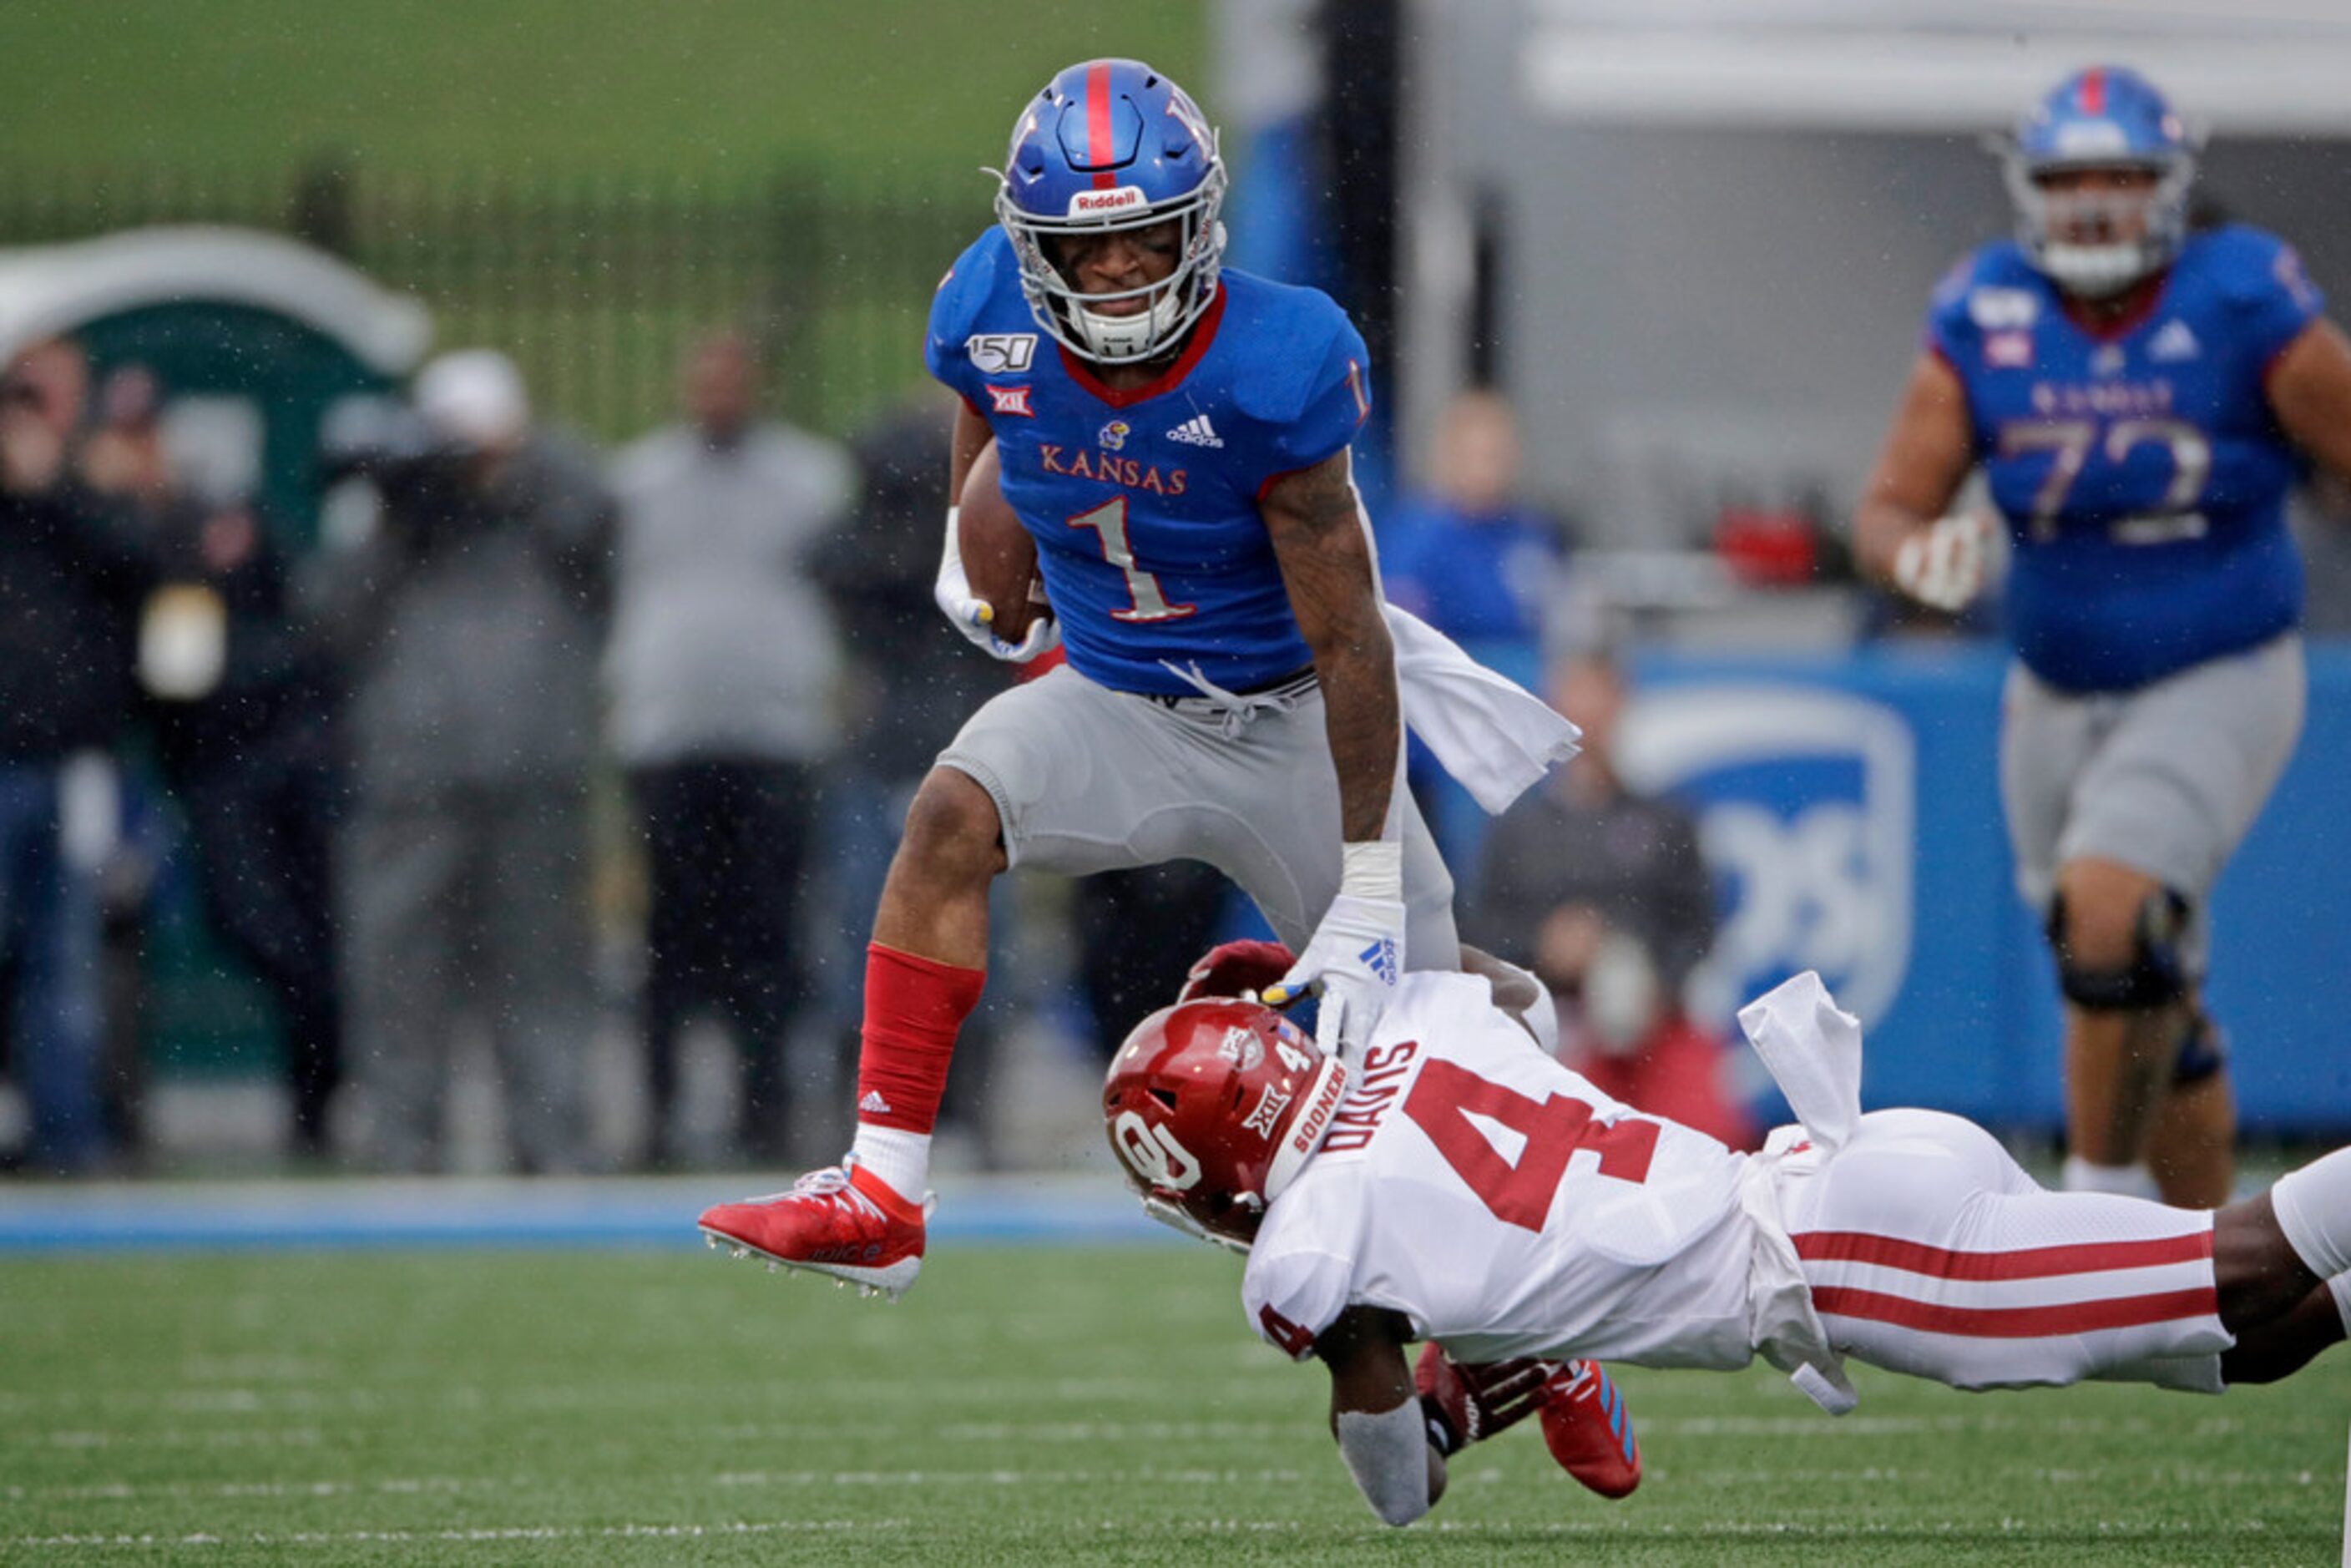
(912, 1008)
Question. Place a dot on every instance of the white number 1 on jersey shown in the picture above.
(1149, 604)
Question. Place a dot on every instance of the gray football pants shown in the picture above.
(1087, 779)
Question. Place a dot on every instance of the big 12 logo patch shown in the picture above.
(1807, 806)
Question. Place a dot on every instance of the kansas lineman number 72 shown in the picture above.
(1554, 1128)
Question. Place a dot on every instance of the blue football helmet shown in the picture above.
(1108, 146)
(2108, 117)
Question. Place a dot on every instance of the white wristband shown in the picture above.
(1374, 870)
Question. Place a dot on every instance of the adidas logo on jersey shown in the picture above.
(1197, 432)
(2174, 343)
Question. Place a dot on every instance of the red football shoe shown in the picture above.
(1588, 1429)
(842, 1220)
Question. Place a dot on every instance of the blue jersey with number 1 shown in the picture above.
(1144, 503)
(2140, 471)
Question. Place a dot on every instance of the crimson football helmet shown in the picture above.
(1212, 1106)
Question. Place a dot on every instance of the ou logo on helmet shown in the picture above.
(1153, 1153)
(1807, 806)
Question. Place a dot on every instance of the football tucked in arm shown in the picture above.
(998, 557)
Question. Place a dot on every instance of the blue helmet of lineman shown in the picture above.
(2095, 242)
(1113, 145)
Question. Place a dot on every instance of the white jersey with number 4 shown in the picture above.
(1504, 1205)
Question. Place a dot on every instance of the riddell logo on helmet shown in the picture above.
(1101, 203)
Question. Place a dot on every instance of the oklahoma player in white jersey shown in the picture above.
(1454, 1185)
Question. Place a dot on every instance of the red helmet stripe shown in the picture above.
(1100, 145)
(2093, 90)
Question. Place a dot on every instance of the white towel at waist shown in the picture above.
(1491, 734)
(1813, 1049)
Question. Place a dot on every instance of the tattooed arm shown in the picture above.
(1325, 553)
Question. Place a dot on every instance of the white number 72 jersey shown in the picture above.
(1504, 1205)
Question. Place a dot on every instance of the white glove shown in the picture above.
(1356, 955)
(973, 616)
(1943, 565)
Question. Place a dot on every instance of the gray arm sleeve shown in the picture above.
(1388, 1455)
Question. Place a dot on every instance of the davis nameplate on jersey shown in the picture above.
(1807, 806)
(1001, 353)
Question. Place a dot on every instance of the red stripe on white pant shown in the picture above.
(2014, 1323)
(2024, 1264)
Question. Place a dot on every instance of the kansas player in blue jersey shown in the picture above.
(1176, 437)
(2139, 398)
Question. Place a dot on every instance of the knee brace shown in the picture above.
(2156, 972)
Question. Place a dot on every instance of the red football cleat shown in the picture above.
(1588, 1429)
(842, 1220)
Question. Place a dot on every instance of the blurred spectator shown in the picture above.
(473, 613)
(1601, 893)
(723, 668)
(1476, 558)
(243, 714)
(72, 576)
(53, 376)
(912, 682)
(122, 456)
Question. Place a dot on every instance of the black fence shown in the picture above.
(592, 283)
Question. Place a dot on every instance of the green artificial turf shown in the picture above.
(1020, 1406)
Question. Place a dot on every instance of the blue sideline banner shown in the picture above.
(1850, 807)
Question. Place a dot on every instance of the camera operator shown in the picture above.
(72, 578)
(243, 719)
(472, 613)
